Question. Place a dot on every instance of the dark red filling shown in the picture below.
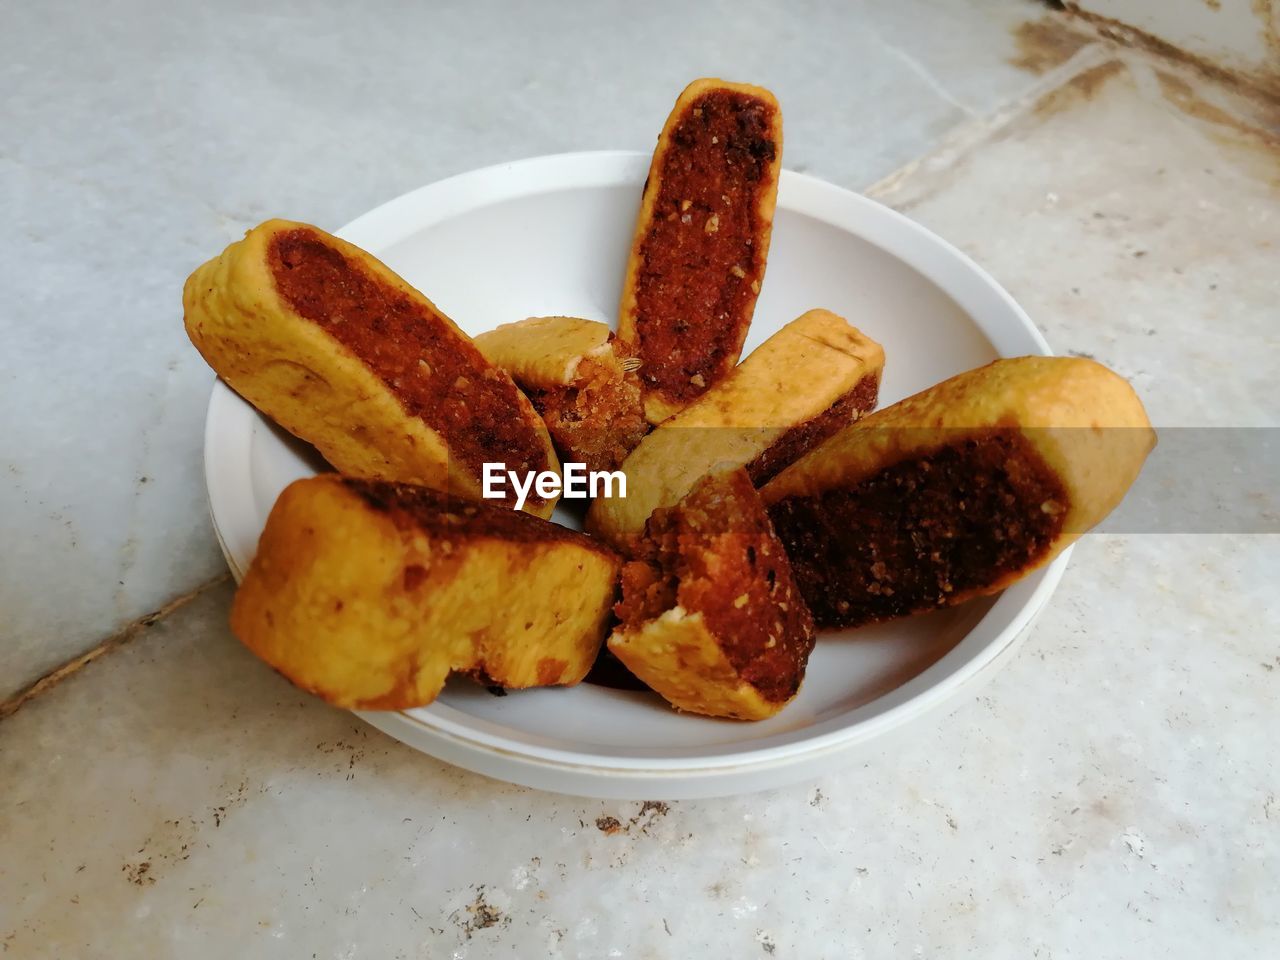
(437, 375)
(922, 532)
(803, 437)
(703, 257)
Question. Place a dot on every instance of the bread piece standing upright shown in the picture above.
(804, 383)
(580, 378)
(328, 342)
(959, 490)
(702, 238)
(710, 617)
(371, 593)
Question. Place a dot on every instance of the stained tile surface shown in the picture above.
(1110, 794)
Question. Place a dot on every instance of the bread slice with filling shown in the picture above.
(710, 617)
(328, 342)
(960, 490)
(701, 240)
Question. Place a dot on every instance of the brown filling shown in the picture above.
(803, 437)
(703, 258)
(437, 375)
(923, 531)
(441, 514)
(715, 554)
(598, 419)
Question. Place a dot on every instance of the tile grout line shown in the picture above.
(1252, 83)
(1150, 72)
(970, 136)
(1107, 41)
(55, 676)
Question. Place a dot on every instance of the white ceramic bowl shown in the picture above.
(550, 236)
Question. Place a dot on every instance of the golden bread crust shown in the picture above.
(546, 352)
(369, 594)
(790, 379)
(300, 372)
(687, 324)
(683, 661)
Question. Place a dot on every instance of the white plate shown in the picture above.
(550, 236)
